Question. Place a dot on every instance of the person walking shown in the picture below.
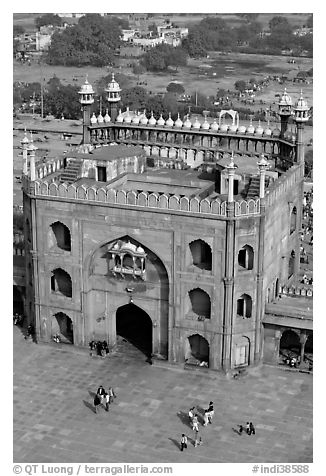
(107, 401)
(197, 438)
(112, 395)
(97, 402)
(184, 441)
(248, 431)
(195, 423)
(101, 393)
(206, 419)
(210, 412)
(191, 414)
(252, 429)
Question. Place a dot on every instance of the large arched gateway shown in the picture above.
(128, 295)
(135, 325)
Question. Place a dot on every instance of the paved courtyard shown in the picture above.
(55, 421)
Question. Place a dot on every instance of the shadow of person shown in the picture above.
(184, 417)
(177, 444)
(89, 405)
(91, 394)
(236, 431)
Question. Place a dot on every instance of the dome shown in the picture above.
(169, 122)
(250, 128)
(113, 86)
(301, 104)
(259, 130)
(93, 119)
(205, 124)
(224, 127)
(214, 126)
(136, 119)
(178, 122)
(233, 128)
(288, 135)
(107, 118)
(128, 247)
(119, 117)
(86, 88)
(143, 119)
(127, 117)
(285, 99)
(152, 120)
(276, 132)
(196, 124)
(187, 123)
(25, 139)
(100, 118)
(140, 250)
(161, 121)
(242, 129)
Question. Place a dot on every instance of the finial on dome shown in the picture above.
(112, 76)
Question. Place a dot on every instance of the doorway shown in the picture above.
(135, 325)
(62, 325)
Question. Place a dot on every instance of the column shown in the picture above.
(303, 340)
(32, 150)
(262, 166)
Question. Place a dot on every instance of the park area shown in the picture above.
(206, 76)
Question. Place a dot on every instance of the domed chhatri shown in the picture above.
(113, 87)
(136, 118)
(285, 99)
(276, 132)
(86, 93)
(143, 118)
(268, 130)
(100, 118)
(242, 129)
(301, 110)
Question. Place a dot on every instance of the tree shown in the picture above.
(279, 23)
(92, 41)
(153, 28)
(170, 104)
(135, 97)
(48, 19)
(175, 88)
(60, 100)
(195, 44)
(240, 85)
(138, 69)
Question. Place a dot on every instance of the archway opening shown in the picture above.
(293, 220)
(201, 254)
(289, 345)
(18, 299)
(62, 325)
(200, 303)
(135, 325)
(62, 235)
(291, 264)
(198, 351)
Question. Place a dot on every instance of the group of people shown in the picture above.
(250, 429)
(194, 423)
(18, 319)
(104, 398)
(99, 347)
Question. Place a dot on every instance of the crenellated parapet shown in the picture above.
(286, 181)
(296, 291)
(105, 195)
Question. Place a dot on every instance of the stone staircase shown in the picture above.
(253, 189)
(72, 171)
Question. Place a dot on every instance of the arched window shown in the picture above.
(244, 306)
(61, 282)
(246, 257)
(201, 254)
(62, 235)
(291, 264)
(197, 349)
(293, 220)
(200, 303)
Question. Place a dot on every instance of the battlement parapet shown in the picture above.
(280, 186)
(158, 201)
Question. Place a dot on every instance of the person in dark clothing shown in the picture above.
(252, 429)
(240, 429)
(184, 441)
(97, 402)
(92, 347)
(248, 428)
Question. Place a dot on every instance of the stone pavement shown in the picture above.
(54, 419)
